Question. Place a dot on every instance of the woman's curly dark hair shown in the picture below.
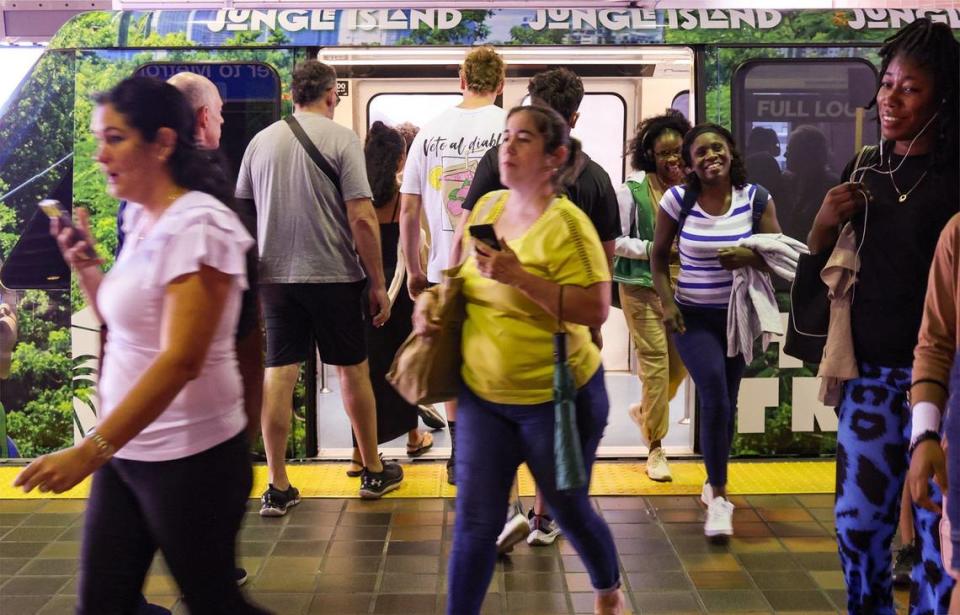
(738, 171)
(932, 46)
(640, 147)
(383, 150)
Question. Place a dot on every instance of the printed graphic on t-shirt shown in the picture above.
(451, 178)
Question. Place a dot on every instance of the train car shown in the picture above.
(747, 69)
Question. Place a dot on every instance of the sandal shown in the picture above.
(426, 441)
(358, 464)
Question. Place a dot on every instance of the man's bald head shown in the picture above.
(204, 99)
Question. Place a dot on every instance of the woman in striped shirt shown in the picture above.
(697, 314)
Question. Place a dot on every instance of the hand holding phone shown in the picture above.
(485, 234)
(55, 211)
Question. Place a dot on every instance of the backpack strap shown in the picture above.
(760, 198)
(690, 197)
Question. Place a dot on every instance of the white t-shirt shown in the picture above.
(440, 167)
(196, 230)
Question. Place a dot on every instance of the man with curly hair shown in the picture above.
(438, 173)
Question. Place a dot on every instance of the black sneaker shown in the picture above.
(240, 576)
(903, 562)
(431, 417)
(375, 484)
(451, 471)
(276, 502)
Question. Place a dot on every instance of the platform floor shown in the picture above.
(345, 556)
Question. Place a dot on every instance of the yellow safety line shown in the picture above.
(610, 478)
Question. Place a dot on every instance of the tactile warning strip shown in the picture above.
(428, 480)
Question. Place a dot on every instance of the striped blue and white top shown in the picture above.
(703, 282)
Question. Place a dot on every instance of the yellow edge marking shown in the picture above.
(610, 478)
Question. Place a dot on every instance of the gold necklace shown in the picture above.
(902, 196)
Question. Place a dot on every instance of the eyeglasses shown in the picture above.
(336, 104)
(667, 155)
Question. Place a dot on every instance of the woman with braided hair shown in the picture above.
(897, 200)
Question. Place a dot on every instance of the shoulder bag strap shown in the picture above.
(760, 198)
(313, 152)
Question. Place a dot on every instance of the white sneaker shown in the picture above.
(657, 468)
(543, 530)
(719, 518)
(706, 495)
(513, 532)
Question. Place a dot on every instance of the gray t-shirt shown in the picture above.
(303, 233)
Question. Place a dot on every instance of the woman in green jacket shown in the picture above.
(655, 157)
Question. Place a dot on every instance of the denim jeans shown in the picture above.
(492, 440)
(703, 348)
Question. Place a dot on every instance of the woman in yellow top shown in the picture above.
(549, 253)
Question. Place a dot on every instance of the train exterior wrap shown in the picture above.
(730, 58)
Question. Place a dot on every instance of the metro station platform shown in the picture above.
(337, 554)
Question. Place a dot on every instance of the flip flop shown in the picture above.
(426, 441)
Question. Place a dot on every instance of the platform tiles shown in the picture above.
(610, 478)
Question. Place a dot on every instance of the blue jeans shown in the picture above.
(872, 441)
(703, 348)
(492, 440)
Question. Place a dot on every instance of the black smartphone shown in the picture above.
(485, 234)
(55, 211)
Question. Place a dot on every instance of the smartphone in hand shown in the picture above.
(55, 211)
(485, 234)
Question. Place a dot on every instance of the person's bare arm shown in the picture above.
(410, 205)
(366, 237)
(250, 363)
(664, 235)
(456, 250)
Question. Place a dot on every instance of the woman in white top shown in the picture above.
(697, 314)
(170, 453)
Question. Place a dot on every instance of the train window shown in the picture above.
(417, 108)
(602, 130)
(681, 103)
(16, 62)
(798, 124)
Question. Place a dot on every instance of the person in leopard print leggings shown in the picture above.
(908, 191)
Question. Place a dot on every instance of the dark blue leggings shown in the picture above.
(703, 348)
(190, 509)
(492, 441)
(872, 441)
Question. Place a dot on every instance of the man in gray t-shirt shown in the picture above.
(319, 244)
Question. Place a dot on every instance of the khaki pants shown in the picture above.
(659, 366)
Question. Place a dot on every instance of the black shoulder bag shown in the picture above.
(809, 305)
(313, 152)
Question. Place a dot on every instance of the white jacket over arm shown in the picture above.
(753, 310)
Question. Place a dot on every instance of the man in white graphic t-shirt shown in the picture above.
(437, 176)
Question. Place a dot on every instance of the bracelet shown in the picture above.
(105, 450)
(927, 435)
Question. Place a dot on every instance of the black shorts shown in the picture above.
(331, 315)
